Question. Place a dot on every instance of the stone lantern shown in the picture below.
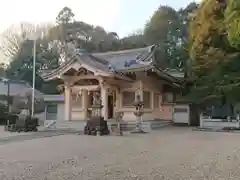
(97, 105)
(116, 128)
(138, 104)
(96, 124)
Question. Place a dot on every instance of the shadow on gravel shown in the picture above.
(216, 130)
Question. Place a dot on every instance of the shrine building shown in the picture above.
(118, 76)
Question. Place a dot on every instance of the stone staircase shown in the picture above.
(158, 123)
(77, 125)
(125, 125)
(146, 125)
(50, 124)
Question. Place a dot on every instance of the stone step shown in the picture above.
(147, 125)
(125, 125)
(78, 125)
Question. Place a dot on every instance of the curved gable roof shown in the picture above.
(109, 62)
(119, 59)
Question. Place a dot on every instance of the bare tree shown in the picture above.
(12, 37)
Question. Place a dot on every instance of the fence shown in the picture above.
(209, 122)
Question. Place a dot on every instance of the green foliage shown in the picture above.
(65, 16)
(187, 13)
(232, 18)
(164, 20)
(22, 64)
(168, 29)
(83, 35)
(207, 31)
(215, 63)
(135, 40)
(2, 70)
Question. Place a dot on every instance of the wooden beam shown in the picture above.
(73, 79)
(88, 88)
(120, 77)
(116, 81)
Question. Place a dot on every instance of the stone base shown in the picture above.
(147, 125)
(138, 131)
(116, 132)
(96, 126)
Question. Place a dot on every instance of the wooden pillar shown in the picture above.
(117, 98)
(85, 103)
(68, 103)
(152, 99)
(104, 98)
(140, 90)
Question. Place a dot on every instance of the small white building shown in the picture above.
(54, 110)
(186, 113)
(181, 114)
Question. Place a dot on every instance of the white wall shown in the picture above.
(206, 122)
(61, 114)
(41, 117)
(181, 113)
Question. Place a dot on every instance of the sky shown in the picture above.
(121, 16)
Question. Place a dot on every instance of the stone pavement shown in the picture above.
(171, 153)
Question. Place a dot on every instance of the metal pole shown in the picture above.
(34, 71)
(8, 95)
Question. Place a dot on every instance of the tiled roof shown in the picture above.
(16, 87)
(123, 59)
(115, 62)
(110, 62)
(85, 58)
(93, 61)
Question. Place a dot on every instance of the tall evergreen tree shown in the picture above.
(232, 18)
(214, 60)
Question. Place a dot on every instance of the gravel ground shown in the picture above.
(11, 137)
(171, 154)
(36, 135)
(4, 133)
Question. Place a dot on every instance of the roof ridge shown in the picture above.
(100, 60)
(17, 81)
(123, 51)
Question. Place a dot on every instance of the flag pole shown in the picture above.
(34, 70)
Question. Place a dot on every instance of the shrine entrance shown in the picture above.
(83, 82)
(110, 107)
